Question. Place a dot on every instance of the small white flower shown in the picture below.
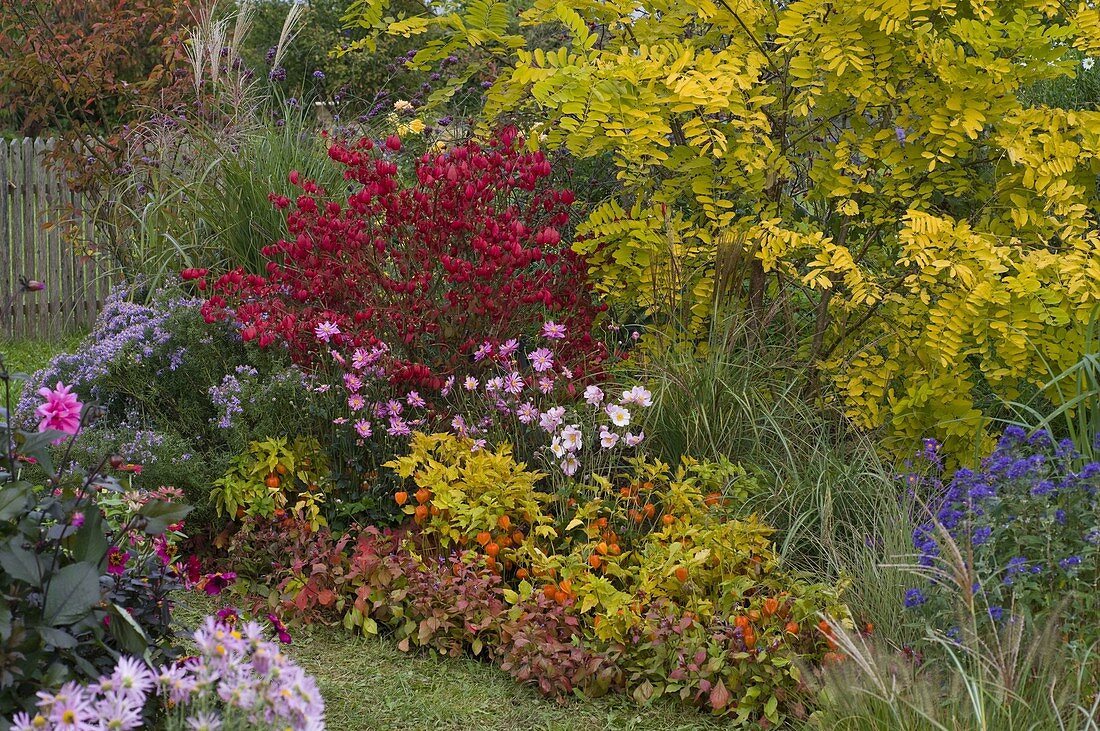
(470, 384)
(570, 465)
(402, 105)
(619, 415)
(571, 437)
(556, 448)
(551, 419)
(1088, 63)
(593, 395)
(608, 439)
(638, 396)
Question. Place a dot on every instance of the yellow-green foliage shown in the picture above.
(296, 471)
(462, 493)
(873, 158)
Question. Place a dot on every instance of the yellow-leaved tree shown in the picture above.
(880, 165)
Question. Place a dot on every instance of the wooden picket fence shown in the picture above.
(44, 237)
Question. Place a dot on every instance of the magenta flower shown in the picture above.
(61, 410)
(117, 560)
(553, 330)
(506, 350)
(216, 583)
(280, 628)
(362, 428)
(414, 399)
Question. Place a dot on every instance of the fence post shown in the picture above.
(7, 278)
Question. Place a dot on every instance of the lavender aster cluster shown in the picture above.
(1025, 522)
(238, 679)
(126, 333)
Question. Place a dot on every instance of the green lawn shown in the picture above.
(27, 356)
(369, 684)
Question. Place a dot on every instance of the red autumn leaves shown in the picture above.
(466, 249)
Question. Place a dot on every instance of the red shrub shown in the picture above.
(470, 250)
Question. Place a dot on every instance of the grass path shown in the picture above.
(370, 685)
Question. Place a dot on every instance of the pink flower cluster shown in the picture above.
(238, 679)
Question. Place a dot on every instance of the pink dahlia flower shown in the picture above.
(61, 410)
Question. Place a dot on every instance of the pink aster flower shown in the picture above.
(362, 428)
(470, 384)
(513, 383)
(633, 440)
(508, 349)
(527, 413)
(352, 382)
(326, 331)
(447, 386)
(398, 427)
(608, 439)
(356, 402)
(553, 330)
(483, 352)
(61, 410)
(546, 384)
(541, 360)
(413, 399)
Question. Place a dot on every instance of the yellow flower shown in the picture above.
(414, 127)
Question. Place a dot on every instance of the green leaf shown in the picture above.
(127, 632)
(59, 638)
(5, 621)
(72, 592)
(19, 563)
(13, 499)
(89, 543)
(160, 515)
(37, 445)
